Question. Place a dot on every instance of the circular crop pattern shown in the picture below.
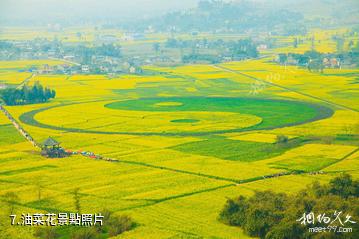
(175, 116)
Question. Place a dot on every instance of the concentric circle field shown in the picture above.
(175, 115)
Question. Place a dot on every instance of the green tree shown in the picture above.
(156, 47)
(234, 212)
(46, 233)
(286, 229)
(283, 58)
(76, 197)
(295, 43)
(265, 210)
(85, 233)
(271, 215)
(27, 94)
(340, 44)
(344, 186)
(119, 224)
(282, 139)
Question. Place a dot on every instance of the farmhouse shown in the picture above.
(133, 37)
(85, 68)
(46, 69)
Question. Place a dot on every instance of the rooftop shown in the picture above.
(50, 142)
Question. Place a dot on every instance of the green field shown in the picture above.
(235, 149)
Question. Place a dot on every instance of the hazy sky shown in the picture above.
(30, 10)
(14, 12)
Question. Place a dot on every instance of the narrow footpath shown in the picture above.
(18, 127)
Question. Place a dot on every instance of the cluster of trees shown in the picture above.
(86, 53)
(243, 47)
(27, 94)
(312, 60)
(282, 139)
(195, 58)
(272, 215)
(204, 43)
(302, 59)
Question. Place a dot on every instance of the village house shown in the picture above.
(262, 47)
(46, 69)
(85, 68)
(69, 57)
(331, 62)
(133, 37)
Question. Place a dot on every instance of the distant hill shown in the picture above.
(288, 17)
(224, 17)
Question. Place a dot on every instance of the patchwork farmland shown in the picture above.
(181, 141)
(194, 119)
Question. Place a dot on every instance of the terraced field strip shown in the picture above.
(233, 182)
(285, 88)
(157, 201)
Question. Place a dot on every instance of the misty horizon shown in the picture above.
(67, 12)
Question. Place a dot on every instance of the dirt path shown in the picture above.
(66, 61)
(18, 127)
(24, 82)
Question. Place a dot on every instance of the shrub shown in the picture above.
(119, 224)
(282, 139)
(85, 233)
(46, 233)
(234, 211)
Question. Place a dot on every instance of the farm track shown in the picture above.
(18, 127)
(65, 61)
(24, 82)
(285, 88)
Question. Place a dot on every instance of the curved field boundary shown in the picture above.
(28, 118)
